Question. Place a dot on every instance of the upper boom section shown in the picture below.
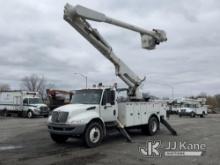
(149, 38)
(77, 17)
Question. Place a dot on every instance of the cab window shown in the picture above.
(108, 97)
(25, 101)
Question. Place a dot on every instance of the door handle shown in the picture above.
(114, 112)
(107, 106)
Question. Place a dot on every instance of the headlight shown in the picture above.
(36, 110)
(77, 122)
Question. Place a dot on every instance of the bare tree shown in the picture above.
(35, 83)
(4, 87)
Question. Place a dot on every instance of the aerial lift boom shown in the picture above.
(77, 16)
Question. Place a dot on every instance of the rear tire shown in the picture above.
(152, 127)
(93, 135)
(58, 138)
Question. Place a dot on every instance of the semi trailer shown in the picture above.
(94, 110)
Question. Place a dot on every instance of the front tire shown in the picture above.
(202, 115)
(5, 113)
(29, 114)
(193, 114)
(93, 135)
(58, 138)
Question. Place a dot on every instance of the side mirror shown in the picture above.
(108, 105)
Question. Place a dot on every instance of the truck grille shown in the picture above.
(183, 110)
(43, 109)
(59, 117)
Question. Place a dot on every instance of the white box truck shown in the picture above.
(22, 103)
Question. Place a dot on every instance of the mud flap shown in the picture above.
(168, 126)
(123, 131)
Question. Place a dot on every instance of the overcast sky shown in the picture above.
(34, 38)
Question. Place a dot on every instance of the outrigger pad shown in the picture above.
(168, 126)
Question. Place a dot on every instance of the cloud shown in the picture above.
(34, 38)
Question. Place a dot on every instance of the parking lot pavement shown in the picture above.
(26, 141)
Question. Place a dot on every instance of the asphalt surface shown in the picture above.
(26, 141)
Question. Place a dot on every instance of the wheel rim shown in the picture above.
(154, 126)
(29, 114)
(94, 135)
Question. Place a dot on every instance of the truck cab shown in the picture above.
(34, 106)
(95, 105)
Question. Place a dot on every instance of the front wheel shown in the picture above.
(193, 114)
(29, 114)
(202, 115)
(58, 138)
(5, 113)
(93, 135)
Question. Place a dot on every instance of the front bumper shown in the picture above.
(66, 129)
(183, 113)
(41, 113)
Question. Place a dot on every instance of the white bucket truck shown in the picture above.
(94, 110)
(22, 103)
(193, 107)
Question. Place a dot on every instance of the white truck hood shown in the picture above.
(38, 105)
(187, 109)
(75, 108)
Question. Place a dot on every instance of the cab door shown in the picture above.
(108, 107)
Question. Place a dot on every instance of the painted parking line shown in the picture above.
(10, 147)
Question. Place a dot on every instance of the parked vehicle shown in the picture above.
(193, 108)
(94, 110)
(57, 98)
(22, 103)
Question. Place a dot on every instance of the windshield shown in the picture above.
(87, 96)
(189, 105)
(35, 101)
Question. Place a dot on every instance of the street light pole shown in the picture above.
(172, 89)
(85, 77)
